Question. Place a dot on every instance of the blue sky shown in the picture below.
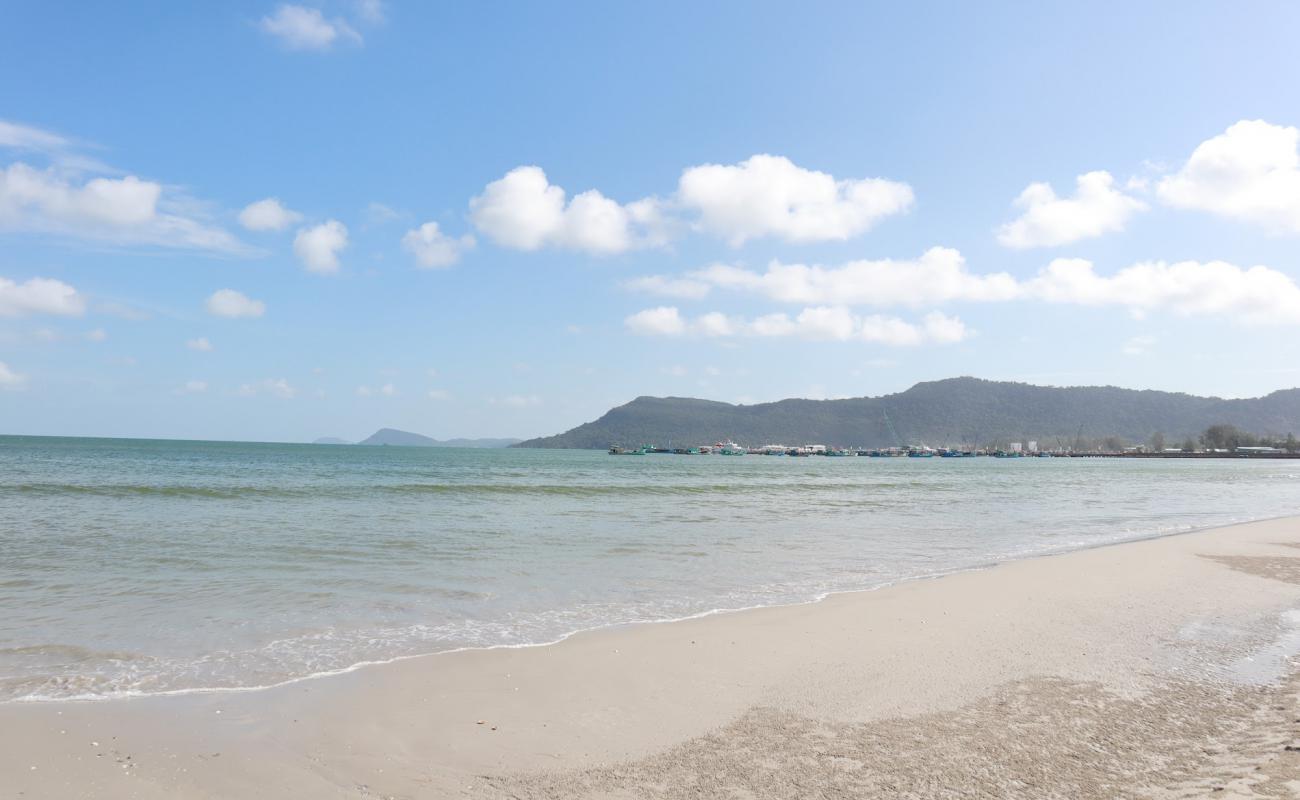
(499, 219)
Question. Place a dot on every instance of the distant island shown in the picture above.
(953, 412)
(394, 437)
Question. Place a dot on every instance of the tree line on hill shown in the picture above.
(1224, 436)
(965, 412)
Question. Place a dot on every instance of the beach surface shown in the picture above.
(1159, 668)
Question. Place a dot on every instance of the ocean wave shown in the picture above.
(244, 492)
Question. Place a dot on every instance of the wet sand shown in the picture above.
(1151, 669)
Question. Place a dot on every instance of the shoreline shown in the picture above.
(613, 626)
(617, 710)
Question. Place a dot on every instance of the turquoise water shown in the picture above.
(137, 567)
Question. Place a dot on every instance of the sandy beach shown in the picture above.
(1158, 668)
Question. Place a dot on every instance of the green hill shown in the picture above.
(956, 411)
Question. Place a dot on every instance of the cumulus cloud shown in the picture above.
(1250, 172)
(125, 210)
(817, 323)
(304, 28)
(763, 196)
(1096, 208)
(230, 303)
(273, 387)
(200, 344)
(524, 211)
(938, 276)
(432, 248)
(661, 321)
(318, 247)
(193, 387)
(39, 296)
(97, 335)
(10, 380)
(268, 214)
(768, 195)
(439, 394)
(1256, 295)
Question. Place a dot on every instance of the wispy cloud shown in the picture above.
(306, 28)
(79, 198)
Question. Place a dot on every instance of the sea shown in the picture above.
(140, 567)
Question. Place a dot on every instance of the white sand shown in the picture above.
(1155, 668)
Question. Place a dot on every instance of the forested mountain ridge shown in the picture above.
(955, 411)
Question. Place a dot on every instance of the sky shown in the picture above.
(282, 221)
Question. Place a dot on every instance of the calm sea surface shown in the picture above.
(137, 567)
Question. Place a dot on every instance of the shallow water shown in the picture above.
(137, 566)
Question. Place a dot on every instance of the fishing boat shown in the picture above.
(615, 450)
(729, 448)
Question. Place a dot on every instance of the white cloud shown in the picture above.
(1096, 208)
(1257, 295)
(39, 296)
(318, 247)
(193, 387)
(388, 390)
(125, 210)
(303, 28)
(268, 214)
(432, 248)
(275, 387)
(760, 197)
(24, 137)
(364, 391)
(200, 344)
(10, 380)
(661, 321)
(97, 335)
(684, 288)
(817, 323)
(1250, 172)
(938, 276)
(769, 195)
(524, 211)
(1254, 295)
(230, 303)
(439, 394)
(1138, 345)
